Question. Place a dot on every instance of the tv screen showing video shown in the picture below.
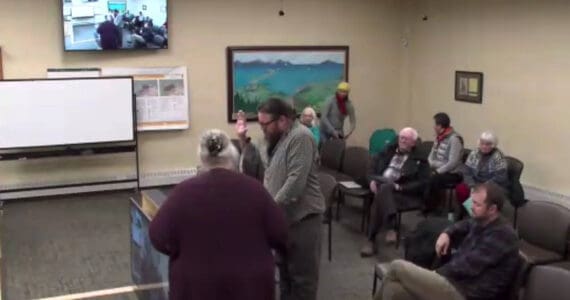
(92, 25)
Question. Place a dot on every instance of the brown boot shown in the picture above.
(369, 249)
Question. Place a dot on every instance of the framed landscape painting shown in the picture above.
(304, 75)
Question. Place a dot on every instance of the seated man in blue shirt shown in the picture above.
(483, 266)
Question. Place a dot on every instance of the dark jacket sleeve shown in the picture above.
(162, 230)
(251, 163)
(489, 251)
(418, 185)
(379, 162)
(459, 230)
(372, 168)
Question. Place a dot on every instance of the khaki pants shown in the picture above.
(405, 280)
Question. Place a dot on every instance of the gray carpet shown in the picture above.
(65, 245)
(72, 244)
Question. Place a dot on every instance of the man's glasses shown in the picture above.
(266, 123)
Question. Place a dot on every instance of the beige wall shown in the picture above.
(523, 49)
(520, 45)
(200, 30)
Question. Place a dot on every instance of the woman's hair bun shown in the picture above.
(214, 141)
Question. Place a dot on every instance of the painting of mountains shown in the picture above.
(306, 76)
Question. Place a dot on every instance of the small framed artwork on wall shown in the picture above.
(469, 86)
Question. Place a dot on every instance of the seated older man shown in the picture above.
(483, 266)
(397, 171)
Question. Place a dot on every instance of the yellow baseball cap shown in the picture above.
(343, 86)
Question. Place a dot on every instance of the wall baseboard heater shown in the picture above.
(147, 180)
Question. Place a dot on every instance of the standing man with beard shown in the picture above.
(289, 156)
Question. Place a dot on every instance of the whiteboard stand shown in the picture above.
(71, 152)
(114, 130)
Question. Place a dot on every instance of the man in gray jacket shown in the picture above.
(445, 156)
(289, 155)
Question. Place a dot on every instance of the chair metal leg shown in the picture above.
(449, 203)
(330, 237)
(363, 219)
(374, 283)
(340, 200)
(368, 212)
(365, 215)
(398, 228)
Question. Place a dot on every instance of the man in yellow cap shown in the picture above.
(333, 113)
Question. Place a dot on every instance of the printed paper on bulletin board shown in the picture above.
(161, 96)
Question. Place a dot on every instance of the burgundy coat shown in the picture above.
(218, 229)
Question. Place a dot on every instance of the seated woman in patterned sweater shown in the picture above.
(487, 163)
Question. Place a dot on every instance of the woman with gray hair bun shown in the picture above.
(219, 229)
(487, 163)
(217, 151)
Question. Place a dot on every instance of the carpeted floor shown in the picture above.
(65, 245)
(61, 245)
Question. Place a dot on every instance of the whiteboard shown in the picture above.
(82, 11)
(53, 112)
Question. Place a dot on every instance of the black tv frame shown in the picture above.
(62, 22)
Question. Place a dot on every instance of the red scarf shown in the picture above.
(341, 103)
(440, 137)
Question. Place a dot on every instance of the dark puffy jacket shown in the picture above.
(415, 171)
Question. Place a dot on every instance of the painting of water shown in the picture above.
(306, 76)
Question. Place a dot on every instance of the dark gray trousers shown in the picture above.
(299, 271)
(382, 211)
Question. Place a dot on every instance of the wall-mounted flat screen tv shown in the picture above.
(97, 25)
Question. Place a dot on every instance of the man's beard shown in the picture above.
(481, 219)
(272, 140)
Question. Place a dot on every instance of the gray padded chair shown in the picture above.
(563, 265)
(331, 155)
(379, 271)
(330, 191)
(544, 231)
(355, 164)
(516, 195)
(425, 148)
(547, 283)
